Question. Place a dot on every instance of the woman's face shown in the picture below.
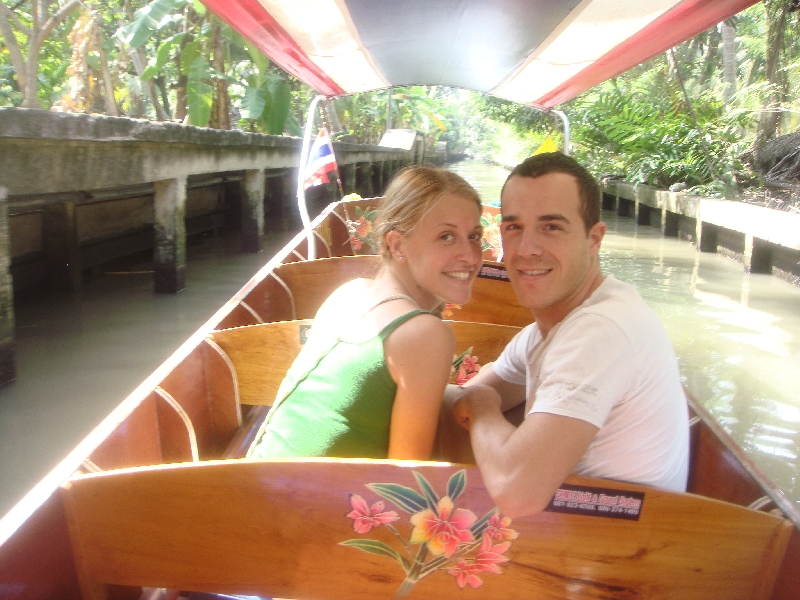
(443, 251)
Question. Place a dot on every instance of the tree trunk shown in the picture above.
(105, 73)
(728, 60)
(14, 52)
(770, 118)
(220, 107)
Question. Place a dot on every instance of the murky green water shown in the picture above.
(736, 335)
(487, 179)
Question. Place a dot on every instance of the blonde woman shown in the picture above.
(370, 379)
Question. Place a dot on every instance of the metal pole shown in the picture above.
(565, 122)
(389, 110)
(301, 192)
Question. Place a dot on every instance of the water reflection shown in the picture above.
(735, 334)
(487, 179)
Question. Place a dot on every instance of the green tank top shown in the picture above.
(339, 405)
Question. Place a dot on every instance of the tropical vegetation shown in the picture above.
(688, 116)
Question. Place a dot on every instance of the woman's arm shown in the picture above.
(419, 356)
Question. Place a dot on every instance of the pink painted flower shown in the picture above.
(490, 556)
(466, 574)
(497, 529)
(444, 532)
(367, 517)
(449, 309)
(468, 368)
(357, 243)
(491, 236)
(363, 227)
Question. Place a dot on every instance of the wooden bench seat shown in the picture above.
(296, 290)
(262, 354)
(291, 528)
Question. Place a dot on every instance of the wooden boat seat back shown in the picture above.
(296, 291)
(333, 528)
(191, 414)
(260, 355)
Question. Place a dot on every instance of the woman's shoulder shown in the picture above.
(348, 298)
(422, 327)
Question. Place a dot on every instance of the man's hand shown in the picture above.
(473, 401)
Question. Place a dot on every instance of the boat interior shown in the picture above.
(155, 501)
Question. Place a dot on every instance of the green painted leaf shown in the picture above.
(431, 498)
(479, 526)
(456, 484)
(379, 548)
(403, 497)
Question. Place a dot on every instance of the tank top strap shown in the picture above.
(384, 333)
(389, 299)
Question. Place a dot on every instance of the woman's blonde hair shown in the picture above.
(411, 194)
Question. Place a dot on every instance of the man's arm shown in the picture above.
(523, 466)
(511, 394)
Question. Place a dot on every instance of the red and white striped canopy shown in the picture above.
(539, 52)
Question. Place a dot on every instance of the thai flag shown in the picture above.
(321, 161)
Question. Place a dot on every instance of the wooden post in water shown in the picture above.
(253, 210)
(170, 235)
(8, 370)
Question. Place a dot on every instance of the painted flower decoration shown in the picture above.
(498, 529)
(443, 529)
(366, 518)
(467, 370)
(466, 574)
(491, 555)
(449, 310)
(491, 234)
(447, 538)
(362, 229)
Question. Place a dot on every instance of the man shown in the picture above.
(596, 370)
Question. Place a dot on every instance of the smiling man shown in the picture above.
(596, 370)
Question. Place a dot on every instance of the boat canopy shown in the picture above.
(537, 52)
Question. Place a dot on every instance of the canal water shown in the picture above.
(80, 355)
(736, 335)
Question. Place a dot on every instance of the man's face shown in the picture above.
(551, 259)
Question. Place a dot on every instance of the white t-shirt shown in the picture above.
(610, 363)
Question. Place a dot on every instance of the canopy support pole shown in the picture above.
(311, 254)
(565, 123)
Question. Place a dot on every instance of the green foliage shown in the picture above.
(149, 19)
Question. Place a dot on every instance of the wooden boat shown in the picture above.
(149, 499)
(154, 502)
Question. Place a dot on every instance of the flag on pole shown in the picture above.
(321, 161)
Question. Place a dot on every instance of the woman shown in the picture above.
(370, 379)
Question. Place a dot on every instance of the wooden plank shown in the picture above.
(277, 528)
(262, 354)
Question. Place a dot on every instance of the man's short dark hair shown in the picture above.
(556, 162)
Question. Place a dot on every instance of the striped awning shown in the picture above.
(539, 52)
